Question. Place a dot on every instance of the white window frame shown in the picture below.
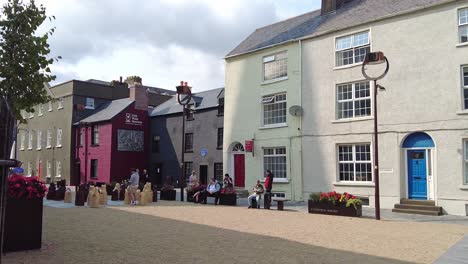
(276, 153)
(30, 139)
(273, 59)
(58, 169)
(352, 46)
(23, 139)
(59, 138)
(89, 103)
(31, 115)
(95, 135)
(49, 169)
(353, 100)
(40, 110)
(49, 138)
(39, 140)
(464, 86)
(462, 26)
(59, 103)
(354, 161)
(50, 106)
(273, 100)
(465, 162)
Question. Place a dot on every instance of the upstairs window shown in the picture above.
(30, 141)
(40, 109)
(220, 106)
(353, 100)
(95, 138)
(89, 103)
(274, 109)
(50, 106)
(155, 144)
(60, 103)
(23, 138)
(188, 142)
(352, 48)
(58, 169)
(49, 138)
(464, 71)
(59, 137)
(275, 66)
(94, 168)
(49, 169)
(219, 144)
(274, 159)
(463, 25)
(80, 137)
(39, 140)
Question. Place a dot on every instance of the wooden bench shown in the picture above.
(280, 201)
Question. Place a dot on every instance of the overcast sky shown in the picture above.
(162, 41)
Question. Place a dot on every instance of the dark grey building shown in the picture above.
(203, 150)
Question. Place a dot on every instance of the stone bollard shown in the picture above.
(103, 195)
(115, 192)
(127, 196)
(68, 196)
(93, 197)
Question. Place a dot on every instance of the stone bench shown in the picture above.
(280, 201)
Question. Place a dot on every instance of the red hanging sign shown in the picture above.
(249, 145)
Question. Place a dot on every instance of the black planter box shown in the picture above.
(331, 209)
(23, 224)
(168, 195)
(228, 199)
(190, 197)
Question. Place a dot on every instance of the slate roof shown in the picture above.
(151, 89)
(312, 24)
(108, 110)
(203, 100)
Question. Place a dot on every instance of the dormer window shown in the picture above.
(89, 103)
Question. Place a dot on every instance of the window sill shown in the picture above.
(38, 148)
(48, 147)
(275, 80)
(355, 184)
(50, 110)
(29, 148)
(347, 120)
(40, 115)
(58, 146)
(348, 66)
(274, 126)
(188, 151)
(59, 176)
(21, 148)
(48, 177)
(59, 108)
(464, 44)
(94, 145)
(462, 112)
(464, 187)
(219, 148)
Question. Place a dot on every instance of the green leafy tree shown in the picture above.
(24, 65)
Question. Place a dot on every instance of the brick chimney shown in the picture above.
(137, 92)
(330, 6)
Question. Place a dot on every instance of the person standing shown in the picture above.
(146, 177)
(268, 186)
(133, 186)
(192, 180)
(256, 194)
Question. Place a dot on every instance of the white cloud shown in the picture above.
(162, 41)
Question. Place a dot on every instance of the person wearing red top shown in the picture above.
(268, 186)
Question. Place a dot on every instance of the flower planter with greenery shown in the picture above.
(23, 218)
(334, 203)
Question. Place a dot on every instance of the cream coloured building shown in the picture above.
(326, 142)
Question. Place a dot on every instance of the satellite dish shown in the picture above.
(295, 110)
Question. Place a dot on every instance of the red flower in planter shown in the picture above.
(30, 187)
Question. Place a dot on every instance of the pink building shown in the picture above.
(114, 139)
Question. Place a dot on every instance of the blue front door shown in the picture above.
(417, 174)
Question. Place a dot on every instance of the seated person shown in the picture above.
(228, 186)
(212, 190)
(198, 190)
(256, 194)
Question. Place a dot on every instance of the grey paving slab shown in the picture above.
(457, 254)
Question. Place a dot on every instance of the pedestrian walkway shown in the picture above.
(457, 254)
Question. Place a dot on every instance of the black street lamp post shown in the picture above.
(372, 59)
(184, 91)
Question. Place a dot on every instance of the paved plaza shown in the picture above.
(175, 232)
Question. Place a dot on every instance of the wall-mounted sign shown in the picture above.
(132, 119)
(203, 152)
(130, 140)
(249, 145)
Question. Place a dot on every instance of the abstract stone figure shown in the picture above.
(93, 197)
(68, 196)
(127, 196)
(103, 195)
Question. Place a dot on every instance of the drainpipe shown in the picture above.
(86, 152)
(300, 122)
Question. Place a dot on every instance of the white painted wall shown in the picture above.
(423, 93)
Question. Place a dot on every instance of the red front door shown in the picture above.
(239, 170)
